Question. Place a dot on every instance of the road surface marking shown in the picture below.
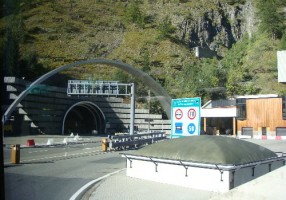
(84, 188)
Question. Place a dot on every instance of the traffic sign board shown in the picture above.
(179, 128)
(192, 113)
(186, 116)
(191, 128)
(178, 114)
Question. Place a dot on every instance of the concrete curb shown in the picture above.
(265, 137)
(78, 195)
(262, 137)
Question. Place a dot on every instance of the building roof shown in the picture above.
(257, 96)
(207, 149)
(222, 103)
(219, 108)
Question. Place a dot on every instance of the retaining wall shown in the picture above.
(43, 110)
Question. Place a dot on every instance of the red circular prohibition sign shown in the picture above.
(178, 114)
(192, 113)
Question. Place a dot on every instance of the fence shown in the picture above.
(120, 142)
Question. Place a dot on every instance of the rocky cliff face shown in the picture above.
(218, 28)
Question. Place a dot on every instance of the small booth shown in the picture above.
(219, 117)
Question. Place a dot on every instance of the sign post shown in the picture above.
(185, 117)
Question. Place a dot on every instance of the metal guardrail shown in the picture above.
(120, 142)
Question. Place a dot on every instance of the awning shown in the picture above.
(219, 108)
(218, 112)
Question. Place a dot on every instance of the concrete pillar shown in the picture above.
(233, 126)
(205, 124)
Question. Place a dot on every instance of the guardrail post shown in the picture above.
(104, 144)
(15, 154)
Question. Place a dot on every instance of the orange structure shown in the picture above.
(262, 116)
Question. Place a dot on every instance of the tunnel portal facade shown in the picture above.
(49, 110)
(84, 117)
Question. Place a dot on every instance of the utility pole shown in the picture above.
(132, 109)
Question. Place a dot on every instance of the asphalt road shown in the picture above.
(58, 172)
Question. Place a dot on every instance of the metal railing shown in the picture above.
(120, 142)
(220, 167)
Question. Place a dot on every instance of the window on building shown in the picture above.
(281, 131)
(247, 131)
(264, 131)
(284, 107)
(241, 108)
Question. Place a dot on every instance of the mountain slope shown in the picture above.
(155, 36)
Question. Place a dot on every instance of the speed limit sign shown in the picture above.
(186, 117)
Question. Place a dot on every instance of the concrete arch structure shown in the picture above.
(95, 111)
(155, 87)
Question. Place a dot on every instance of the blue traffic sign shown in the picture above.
(191, 128)
(179, 128)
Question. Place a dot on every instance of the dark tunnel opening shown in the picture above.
(84, 118)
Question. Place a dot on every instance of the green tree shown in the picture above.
(232, 67)
(121, 76)
(10, 54)
(233, 2)
(30, 66)
(166, 28)
(235, 76)
(235, 56)
(145, 59)
(202, 78)
(272, 21)
(283, 42)
(16, 63)
(134, 14)
(13, 35)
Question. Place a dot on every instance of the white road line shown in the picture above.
(95, 152)
(38, 151)
(84, 188)
(61, 156)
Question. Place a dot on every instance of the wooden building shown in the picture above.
(261, 115)
(253, 115)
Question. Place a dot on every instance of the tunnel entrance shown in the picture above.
(84, 118)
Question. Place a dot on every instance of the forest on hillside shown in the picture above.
(156, 36)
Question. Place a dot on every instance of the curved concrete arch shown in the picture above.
(155, 87)
(84, 104)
